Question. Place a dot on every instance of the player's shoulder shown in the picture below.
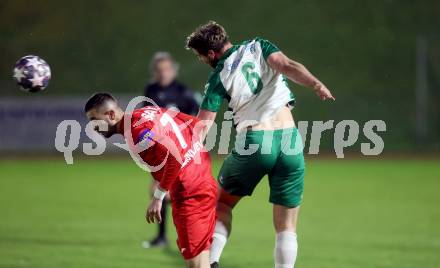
(150, 109)
(260, 40)
(264, 46)
(255, 46)
(141, 122)
(247, 44)
(145, 115)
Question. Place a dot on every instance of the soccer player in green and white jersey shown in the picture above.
(251, 77)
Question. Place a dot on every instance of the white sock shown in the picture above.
(218, 242)
(286, 248)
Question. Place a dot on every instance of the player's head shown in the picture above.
(103, 106)
(207, 42)
(164, 68)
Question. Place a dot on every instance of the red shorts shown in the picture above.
(194, 215)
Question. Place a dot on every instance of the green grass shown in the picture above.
(356, 213)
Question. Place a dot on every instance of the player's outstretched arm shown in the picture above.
(299, 74)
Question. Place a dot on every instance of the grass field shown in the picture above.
(357, 213)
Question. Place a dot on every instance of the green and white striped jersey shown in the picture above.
(255, 92)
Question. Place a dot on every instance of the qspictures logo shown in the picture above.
(347, 133)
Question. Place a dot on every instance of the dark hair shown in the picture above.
(211, 36)
(98, 100)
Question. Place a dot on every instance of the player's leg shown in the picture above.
(286, 245)
(223, 226)
(286, 189)
(199, 261)
(285, 218)
(237, 180)
(194, 217)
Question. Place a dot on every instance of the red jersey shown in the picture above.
(173, 148)
(179, 162)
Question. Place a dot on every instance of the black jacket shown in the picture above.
(174, 95)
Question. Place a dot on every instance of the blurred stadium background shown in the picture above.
(381, 59)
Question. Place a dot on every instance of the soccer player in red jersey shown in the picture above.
(166, 141)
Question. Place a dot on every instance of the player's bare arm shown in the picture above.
(153, 211)
(208, 118)
(298, 73)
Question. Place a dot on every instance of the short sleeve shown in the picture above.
(267, 47)
(214, 94)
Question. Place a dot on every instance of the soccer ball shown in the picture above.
(32, 73)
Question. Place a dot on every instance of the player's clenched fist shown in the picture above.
(153, 211)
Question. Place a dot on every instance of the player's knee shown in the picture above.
(225, 205)
(227, 199)
(284, 219)
(193, 264)
(282, 226)
(199, 261)
(224, 209)
(224, 217)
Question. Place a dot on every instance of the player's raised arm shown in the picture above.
(298, 73)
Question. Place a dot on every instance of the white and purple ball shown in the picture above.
(32, 73)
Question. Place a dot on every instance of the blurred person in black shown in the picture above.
(167, 92)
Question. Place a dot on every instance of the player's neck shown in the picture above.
(120, 124)
(225, 48)
(120, 127)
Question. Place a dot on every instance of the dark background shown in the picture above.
(365, 51)
(381, 59)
